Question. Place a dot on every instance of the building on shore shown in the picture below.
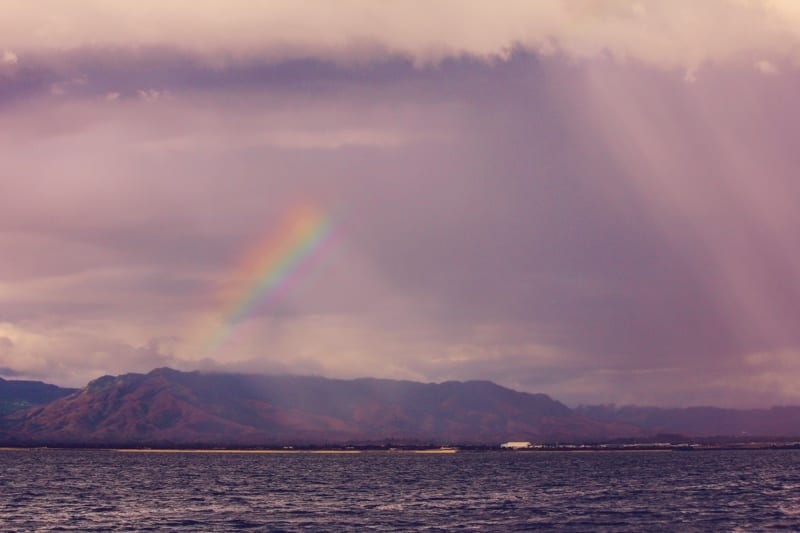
(516, 445)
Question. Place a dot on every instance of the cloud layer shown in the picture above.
(593, 202)
(682, 33)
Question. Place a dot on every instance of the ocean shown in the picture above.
(100, 490)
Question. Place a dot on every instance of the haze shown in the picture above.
(594, 200)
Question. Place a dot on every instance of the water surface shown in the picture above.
(92, 490)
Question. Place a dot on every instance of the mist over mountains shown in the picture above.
(168, 407)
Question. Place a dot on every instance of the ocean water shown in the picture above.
(85, 490)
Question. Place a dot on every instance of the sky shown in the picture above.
(592, 199)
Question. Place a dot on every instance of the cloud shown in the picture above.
(68, 353)
(766, 67)
(62, 87)
(9, 57)
(6, 345)
(10, 372)
(595, 229)
(681, 34)
(150, 95)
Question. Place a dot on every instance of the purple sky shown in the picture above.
(595, 202)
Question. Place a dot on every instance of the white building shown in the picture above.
(516, 445)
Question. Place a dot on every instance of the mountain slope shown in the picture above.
(19, 395)
(167, 406)
(701, 421)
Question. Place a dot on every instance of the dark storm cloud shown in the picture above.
(10, 372)
(129, 73)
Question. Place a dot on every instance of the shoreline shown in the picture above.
(644, 448)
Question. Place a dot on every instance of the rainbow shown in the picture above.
(271, 268)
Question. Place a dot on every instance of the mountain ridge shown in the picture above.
(171, 407)
(702, 420)
(17, 395)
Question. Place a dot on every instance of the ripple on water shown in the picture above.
(74, 490)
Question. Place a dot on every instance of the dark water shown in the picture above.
(690, 491)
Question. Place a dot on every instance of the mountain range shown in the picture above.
(20, 395)
(168, 407)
